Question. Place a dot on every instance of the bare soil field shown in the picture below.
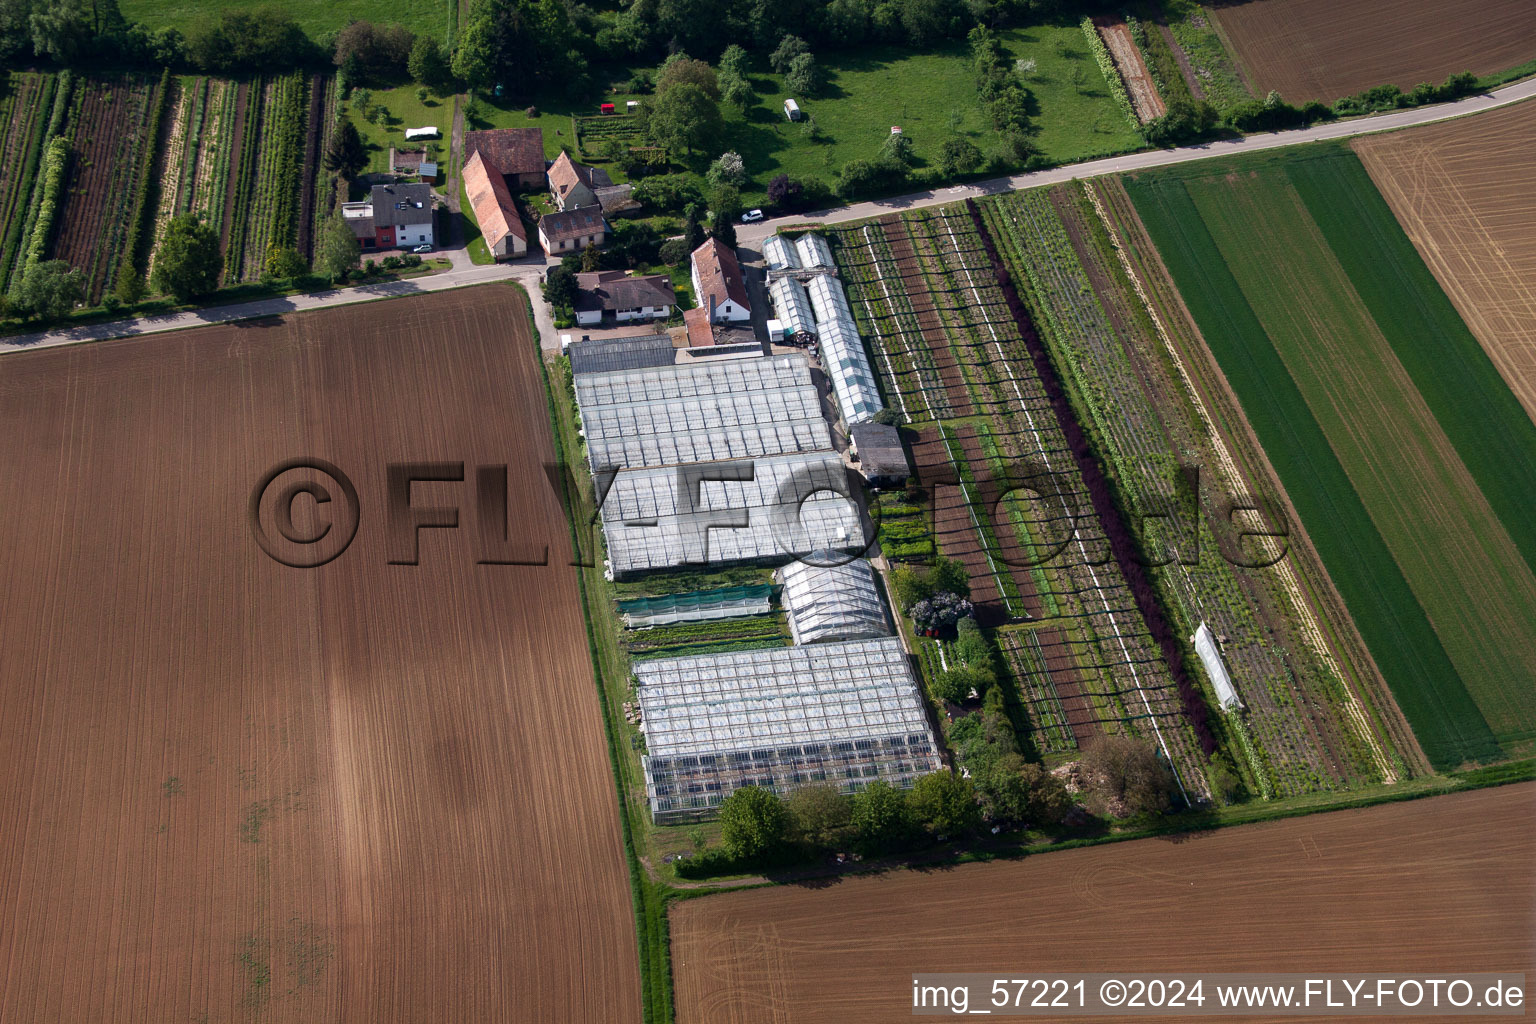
(1133, 70)
(1323, 49)
(1441, 884)
(1462, 192)
(235, 791)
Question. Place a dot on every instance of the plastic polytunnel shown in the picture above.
(833, 602)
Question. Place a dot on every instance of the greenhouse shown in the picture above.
(791, 305)
(827, 300)
(631, 353)
(1215, 667)
(696, 606)
(833, 602)
(729, 425)
(813, 251)
(842, 713)
(779, 253)
(766, 511)
(692, 379)
(853, 382)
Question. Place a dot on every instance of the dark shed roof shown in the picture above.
(634, 353)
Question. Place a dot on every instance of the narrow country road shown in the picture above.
(527, 273)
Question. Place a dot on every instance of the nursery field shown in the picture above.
(26, 106)
(1461, 190)
(1403, 887)
(241, 791)
(1003, 490)
(1301, 730)
(1401, 448)
(1322, 49)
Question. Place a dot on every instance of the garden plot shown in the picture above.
(24, 111)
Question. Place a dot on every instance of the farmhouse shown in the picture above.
(572, 230)
(573, 185)
(718, 284)
(393, 216)
(517, 153)
(882, 457)
(614, 293)
(495, 210)
(837, 713)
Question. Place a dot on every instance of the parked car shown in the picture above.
(752, 216)
(423, 248)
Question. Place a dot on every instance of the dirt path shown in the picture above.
(1133, 70)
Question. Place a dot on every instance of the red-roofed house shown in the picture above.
(518, 153)
(573, 185)
(495, 210)
(717, 283)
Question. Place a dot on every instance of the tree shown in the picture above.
(724, 209)
(752, 822)
(1129, 774)
(737, 90)
(683, 118)
(591, 259)
(729, 170)
(818, 814)
(336, 250)
(373, 53)
(681, 69)
(898, 149)
(880, 818)
(946, 803)
(784, 192)
(1014, 790)
(560, 287)
(910, 586)
(427, 64)
(189, 261)
(674, 252)
(955, 684)
(950, 576)
(48, 290)
(940, 611)
(959, 156)
(804, 76)
(284, 262)
(734, 61)
(788, 49)
(345, 153)
(519, 44)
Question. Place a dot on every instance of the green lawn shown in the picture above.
(930, 95)
(424, 17)
(1331, 360)
(405, 111)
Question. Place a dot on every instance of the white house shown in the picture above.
(612, 292)
(717, 283)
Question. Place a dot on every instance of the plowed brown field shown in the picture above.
(1443, 884)
(1324, 49)
(1462, 190)
(235, 791)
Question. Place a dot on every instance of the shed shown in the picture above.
(1215, 667)
(427, 169)
(633, 353)
(882, 456)
(605, 108)
(631, 106)
(429, 132)
(792, 110)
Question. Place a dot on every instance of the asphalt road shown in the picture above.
(527, 273)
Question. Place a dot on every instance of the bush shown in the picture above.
(752, 822)
(959, 156)
(945, 802)
(1130, 775)
(940, 612)
(818, 814)
(674, 252)
(880, 818)
(955, 684)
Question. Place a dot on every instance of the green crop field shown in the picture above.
(424, 17)
(1395, 441)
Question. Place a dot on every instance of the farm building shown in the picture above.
(495, 210)
(842, 351)
(833, 602)
(573, 185)
(572, 230)
(792, 305)
(882, 456)
(762, 511)
(613, 293)
(696, 606)
(617, 200)
(704, 411)
(701, 333)
(1215, 667)
(813, 251)
(632, 353)
(841, 713)
(517, 153)
(394, 216)
(717, 282)
(779, 253)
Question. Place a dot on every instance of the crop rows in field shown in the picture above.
(24, 114)
(1383, 445)
(109, 139)
(1101, 339)
(593, 132)
(944, 340)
